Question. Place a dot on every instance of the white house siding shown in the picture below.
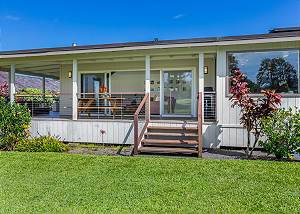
(85, 131)
(229, 132)
(118, 132)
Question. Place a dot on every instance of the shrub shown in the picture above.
(14, 123)
(41, 144)
(252, 110)
(282, 132)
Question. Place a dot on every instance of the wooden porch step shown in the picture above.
(160, 142)
(172, 129)
(168, 150)
(171, 134)
(175, 128)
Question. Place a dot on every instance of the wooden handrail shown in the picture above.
(200, 139)
(137, 137)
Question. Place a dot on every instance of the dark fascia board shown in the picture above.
(157, 43)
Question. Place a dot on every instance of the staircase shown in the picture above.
(178, 137)
(171, 140)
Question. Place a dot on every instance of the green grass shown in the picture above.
(63, 183)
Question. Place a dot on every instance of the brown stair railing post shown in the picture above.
(200, 122)
(137, 139)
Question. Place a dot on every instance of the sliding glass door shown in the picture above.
(93, 84)
(177, 93)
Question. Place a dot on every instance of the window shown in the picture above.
(276, 70)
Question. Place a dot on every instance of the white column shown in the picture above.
(12, 79)
(201, 78)
(147, 74)
(147, 82)
(221, 86)
(44, 89)
(74, 90)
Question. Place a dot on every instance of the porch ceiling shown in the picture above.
(50, 70)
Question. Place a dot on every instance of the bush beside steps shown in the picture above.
(41, 144)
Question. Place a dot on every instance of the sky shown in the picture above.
(27, 24)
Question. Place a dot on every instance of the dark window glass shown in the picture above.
(276, 70)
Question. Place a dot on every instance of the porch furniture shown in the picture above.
(85, 104)
(154, 107)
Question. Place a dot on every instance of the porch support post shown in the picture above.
(221, 86)
(201, 78)
(44, 84)
(44, 89)
(12, 79)
(147, 85)
(74, 91)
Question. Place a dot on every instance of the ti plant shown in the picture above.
(252, 110)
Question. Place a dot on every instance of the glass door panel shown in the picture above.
(92, 87)
(177, 92)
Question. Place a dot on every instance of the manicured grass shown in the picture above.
(62, 183)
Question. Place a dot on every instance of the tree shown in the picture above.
(252, 110)
(277, 74)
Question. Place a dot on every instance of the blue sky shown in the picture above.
(33, 24)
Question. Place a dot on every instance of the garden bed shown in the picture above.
(217, 154)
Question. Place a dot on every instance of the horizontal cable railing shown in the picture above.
(209, 106)
(109, 105)
(46, 105)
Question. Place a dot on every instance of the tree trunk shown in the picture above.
(254, 144)
(248, 144)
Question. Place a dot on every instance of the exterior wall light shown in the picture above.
(205, 69)
(70, 74)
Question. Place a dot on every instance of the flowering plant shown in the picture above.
(4, 89)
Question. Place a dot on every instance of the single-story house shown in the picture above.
(162, 95)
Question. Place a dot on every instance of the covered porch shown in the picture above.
(120, 99)
(113, 88)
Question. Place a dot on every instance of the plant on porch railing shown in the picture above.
(252, 110)
(36, 95)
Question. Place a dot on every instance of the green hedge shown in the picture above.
(41, 144)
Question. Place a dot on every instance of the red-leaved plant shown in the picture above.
(252, 110)
(4, 89)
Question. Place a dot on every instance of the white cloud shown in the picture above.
(178, 16)
(11, 18)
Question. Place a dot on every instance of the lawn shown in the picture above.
(65, 183)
